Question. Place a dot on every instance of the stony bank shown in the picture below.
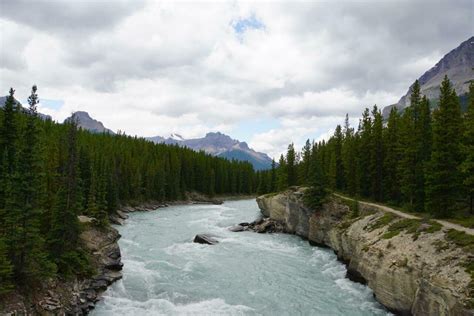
(414, 267)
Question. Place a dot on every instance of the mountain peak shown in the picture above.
(458, 65)
(85, 121)
(222, 145)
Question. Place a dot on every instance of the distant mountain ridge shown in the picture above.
(25, 109)
(221, 145)
(458, 65)
(216, 144)
(85, 121)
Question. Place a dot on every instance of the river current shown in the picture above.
(246, 273)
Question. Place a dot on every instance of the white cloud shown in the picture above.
(155, 68)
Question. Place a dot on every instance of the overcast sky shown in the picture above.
(268, 73)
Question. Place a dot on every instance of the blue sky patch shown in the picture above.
(241, 25)
(245, 130)
(51, 104)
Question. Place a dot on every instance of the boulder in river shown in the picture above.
(205, 239)
(238, 228)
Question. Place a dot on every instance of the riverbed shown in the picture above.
(246, 273)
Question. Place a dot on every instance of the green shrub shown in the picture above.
(386, 219)
(461, 239)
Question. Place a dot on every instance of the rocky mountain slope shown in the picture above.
(414, 267)
(220, 145)
(85, 121)
(458, 65)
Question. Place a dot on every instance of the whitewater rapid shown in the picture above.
(246, 273)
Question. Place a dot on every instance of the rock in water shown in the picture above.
(238, 228)
(205, 239)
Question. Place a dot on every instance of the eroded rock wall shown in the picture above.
(410, 276)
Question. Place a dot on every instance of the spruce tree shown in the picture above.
(365, 154)
(32, 262)
(10, 208)
(304, 164)
(339, 172)
(467, 166)
(6, 269)
(349, 156)
(377, 156)
(63, 237)
(409, 163)
(316, 194)
(392, 157)
(282, 175)
(8, 143)
(444, 179)
(273, 177)
(291, 161)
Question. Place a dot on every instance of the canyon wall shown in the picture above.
(415, 270)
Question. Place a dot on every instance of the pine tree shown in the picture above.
(339, 172)
(443, 179)
(292, 176)
(273, 177)
(409, 138)
(8, 141)
(64, 234)
(316, 194)
(467, 166)
(332, 171)
(392, 157)
(6, 269)
(304, 164)
(10, 207)
(31, 261)
(377, 156)
(423, 151)
(364, 154)
(282, 175)
(262, 187)
(349, 158)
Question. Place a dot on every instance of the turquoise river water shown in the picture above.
(246, 273)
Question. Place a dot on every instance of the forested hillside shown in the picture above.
(420, 160)
(50, 173)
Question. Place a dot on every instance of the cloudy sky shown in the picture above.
(268, 73)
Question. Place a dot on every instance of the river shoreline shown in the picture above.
(79, 296)
(411, 272)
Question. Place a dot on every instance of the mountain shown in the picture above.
(86, 122)
(458, 65)
(171, 140)
(220, 145)
(40, 115)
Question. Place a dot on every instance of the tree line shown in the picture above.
(419, 159)
(50, 173)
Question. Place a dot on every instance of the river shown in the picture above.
(246, 273)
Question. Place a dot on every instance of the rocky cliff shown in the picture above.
(414, 267)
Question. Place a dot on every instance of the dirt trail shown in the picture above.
(445, 224)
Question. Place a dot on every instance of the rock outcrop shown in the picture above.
(458, 65)
(412, 272)
(85, 121)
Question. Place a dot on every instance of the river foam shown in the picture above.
(165, 273)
